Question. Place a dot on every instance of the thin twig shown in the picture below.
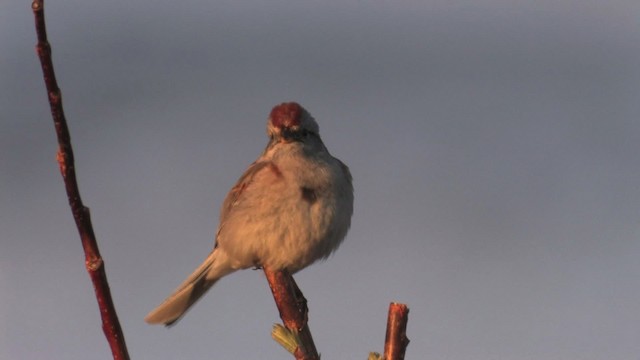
(396, 340)
(293, 311)
(93, 261)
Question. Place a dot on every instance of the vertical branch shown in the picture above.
(396, 340)
(93, 260)
(293, 311)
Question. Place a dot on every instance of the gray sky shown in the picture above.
(493, 144)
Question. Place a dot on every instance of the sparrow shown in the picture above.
(290, 208)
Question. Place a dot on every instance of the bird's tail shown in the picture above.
(203, 278)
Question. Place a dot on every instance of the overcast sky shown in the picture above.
(494, 147)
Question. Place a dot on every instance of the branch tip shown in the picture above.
(36, 5)
(396, 340)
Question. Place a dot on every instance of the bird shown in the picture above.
(289, 209)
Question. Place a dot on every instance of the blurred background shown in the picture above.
(494, 148)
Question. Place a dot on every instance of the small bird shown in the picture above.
(290, 208)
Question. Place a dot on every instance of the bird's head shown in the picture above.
(291, 122)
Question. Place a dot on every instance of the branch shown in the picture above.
(396, 340)
(93, 260)
(293, 311)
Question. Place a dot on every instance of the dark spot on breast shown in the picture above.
(309, 195)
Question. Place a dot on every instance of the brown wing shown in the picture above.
(243, 183)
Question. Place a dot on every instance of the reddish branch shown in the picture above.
(93, 260)
(293, 311)
(396, 341)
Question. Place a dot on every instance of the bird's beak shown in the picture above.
(288, 135)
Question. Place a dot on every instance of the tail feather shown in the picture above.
(196, 285)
